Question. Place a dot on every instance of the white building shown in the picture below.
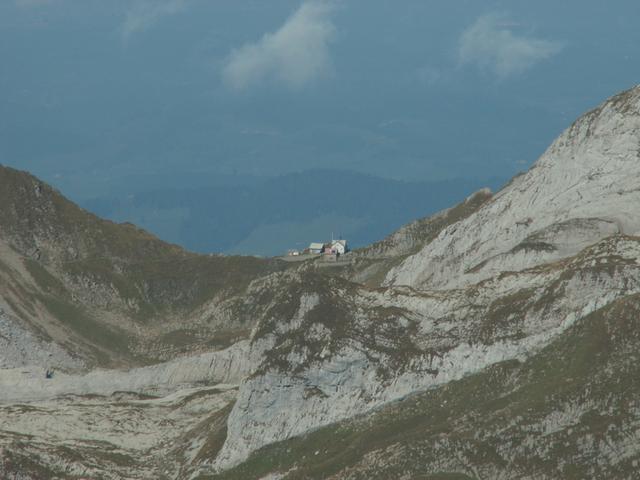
(340, 246)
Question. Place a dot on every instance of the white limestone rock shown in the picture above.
(489, 288)
(20, 347)
(448, 334)
(30, 384)
(590, 172)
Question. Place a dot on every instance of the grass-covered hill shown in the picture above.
(116, 292)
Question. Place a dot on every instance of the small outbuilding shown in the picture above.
(316, 248)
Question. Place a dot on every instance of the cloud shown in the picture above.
(295, 55)
(490, 44)
(144, 14)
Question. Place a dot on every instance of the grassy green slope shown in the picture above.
(39, 222)
(114, 286)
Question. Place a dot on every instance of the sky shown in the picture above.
(93, 92)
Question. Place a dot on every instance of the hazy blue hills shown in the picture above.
(269, 216)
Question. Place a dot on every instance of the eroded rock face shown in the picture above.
(21, 347)
(160, 421)
(584, 188)
(350, 350)
(418, 233)
(122, 435)
(569, 411)
(545, 252)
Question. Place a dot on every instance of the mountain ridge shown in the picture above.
(434, 306)
(83, 270)
(496, 339)
(581, 178)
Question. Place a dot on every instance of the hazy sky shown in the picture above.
(410, 89)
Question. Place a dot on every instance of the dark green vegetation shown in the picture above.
(548, 418)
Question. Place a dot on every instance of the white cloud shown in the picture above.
(144, 14)
(295, 55)
(490, 44)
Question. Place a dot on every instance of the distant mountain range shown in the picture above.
(268, 216)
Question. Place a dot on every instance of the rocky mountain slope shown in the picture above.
(570, 412)
(582, 189)
(497, 339)
(553, 247)
(370, 265)
(111, 294)
(346, 350)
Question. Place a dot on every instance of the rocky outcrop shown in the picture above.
(499, 285)
(349, 350)
(160, 421)
(584, 188)
(370, 265)
(569, 411)
(21, 347)
(417, 234)
(125, 435)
